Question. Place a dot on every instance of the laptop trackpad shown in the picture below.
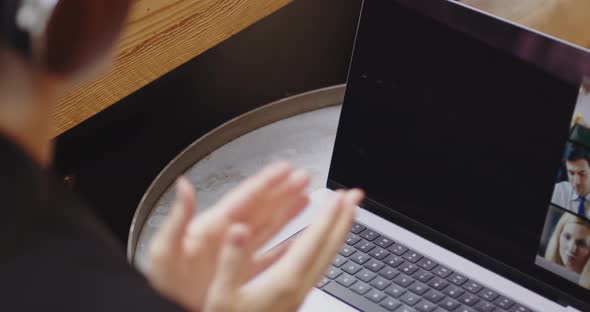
(319, 301)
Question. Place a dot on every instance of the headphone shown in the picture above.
(62, 36)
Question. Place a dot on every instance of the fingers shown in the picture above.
(311, 253)
(315, 249)
(284, 195)
(242, 195)
(264, 261)
(264, 202)
(264, 210)
(231, 270)
(281, 217)
(267, 201)
(171, 234)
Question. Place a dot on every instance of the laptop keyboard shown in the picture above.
(374, 273)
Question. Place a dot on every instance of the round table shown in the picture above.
(301, 129)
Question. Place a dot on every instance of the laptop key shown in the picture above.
(364, 246)
(442, 271)
(425, 306)
(468, 299)
(418, 288)
(457, 279)
(520, 308)
(464, 308)
(388, 272)
(447, 304)
(360, 258)
(403, 280)
(339, 261)
(369, 235)
(346, 280)
(333, 273)
(427, 264)
(352, 239)
(409, 299)
(438, 284)
(504, 302)
(357, 228)
(422, 275)
(374, 265)
(405, 308)
(398, 249)
(488, 294)
(357, 301)
(433, 296)
(360, 288)
(375, 296)
(453, 291)
(366, 275)
(390, 303)
(351, 268)
(379, 253)
(383, 242)
(393, 260)
(412, 256)
(472, 287)
(483, 306)
(395, 291)
(347, 251)
(322, 282)
(408, 268)
(380, 283)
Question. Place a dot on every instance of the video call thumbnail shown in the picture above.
(572, 187)
(565, 241)
(565, 246)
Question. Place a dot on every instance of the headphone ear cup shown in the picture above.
(80, 33)
(10, 34)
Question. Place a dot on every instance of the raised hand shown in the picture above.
(184, 255)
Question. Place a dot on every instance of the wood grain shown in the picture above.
(565, 19)
(160, 35)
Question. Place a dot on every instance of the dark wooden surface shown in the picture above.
(159, 35)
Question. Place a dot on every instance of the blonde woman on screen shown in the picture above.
(569, 246)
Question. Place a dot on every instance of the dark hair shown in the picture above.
(575, 151)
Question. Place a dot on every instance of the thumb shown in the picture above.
(231, 272)
(172, 232)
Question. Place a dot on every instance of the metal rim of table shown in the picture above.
(229, 131)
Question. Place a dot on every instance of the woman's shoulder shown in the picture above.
(57, 252)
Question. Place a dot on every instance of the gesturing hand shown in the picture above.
(184, 255)
(284, 285)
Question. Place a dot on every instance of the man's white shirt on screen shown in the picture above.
(566, 197)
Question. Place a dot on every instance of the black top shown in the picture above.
(55, 254)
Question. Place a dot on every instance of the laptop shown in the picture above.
(461, 128)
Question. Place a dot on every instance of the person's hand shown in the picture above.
(184, 254)
(284, 285)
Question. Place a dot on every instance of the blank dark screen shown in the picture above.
(459, 136)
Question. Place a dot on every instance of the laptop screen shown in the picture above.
(475, 129)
